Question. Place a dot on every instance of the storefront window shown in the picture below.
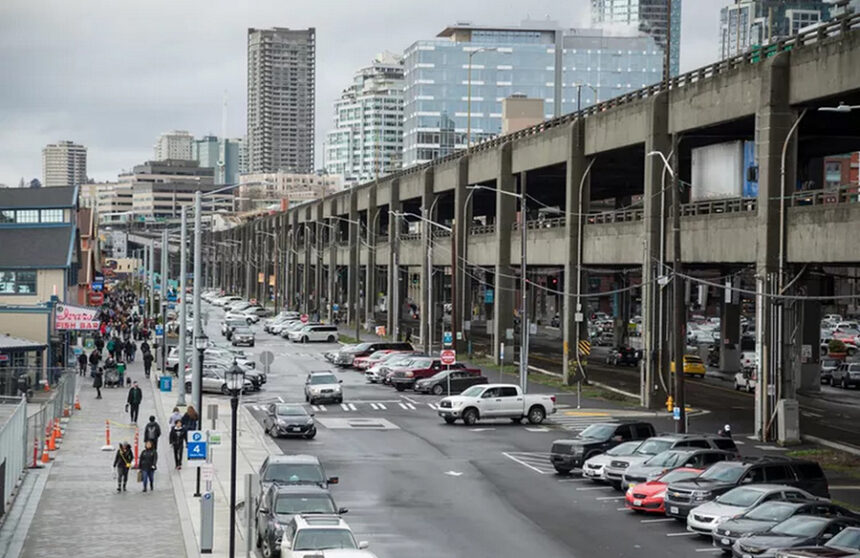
(17, 282)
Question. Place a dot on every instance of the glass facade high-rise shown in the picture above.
(506, 61)
(648, 16)
(367, 138)
(749, 24)
(222, 156)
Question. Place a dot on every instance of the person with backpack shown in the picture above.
(177, 441)
(122, 462)
(132, 403)
(111, 346)
(147, 463)
(152, 432)
(147, 363)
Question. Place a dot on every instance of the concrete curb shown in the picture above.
(832, 445)
(612, 389)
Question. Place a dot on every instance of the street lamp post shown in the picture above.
(200, 343)
(579, 87)
(235, 384)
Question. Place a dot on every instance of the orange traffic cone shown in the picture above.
(58, 434)
(77, 403)
(66, 411)
(45, 457)
(47, 387)
(51, 443)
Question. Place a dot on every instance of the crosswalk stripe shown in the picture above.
(352, 407)
(381, 406)
(344, 407)
(432, 406)
(411, 406)
(402, 406)
(373, 406)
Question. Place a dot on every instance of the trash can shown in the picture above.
(165, 383)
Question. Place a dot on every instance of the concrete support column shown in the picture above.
(577, 195)
(655, 308)
(774, 120)
(370, 263)
(426, 313)
(319, 231)
(730, 334)
(293, 282)
(394, 225)
(284, 244)
(332, 261)
(354, 265)
(307, 275)
(461, 311)
(806, 337)
(503, 311)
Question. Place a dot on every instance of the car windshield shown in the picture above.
(420, 363)
(294, 473)
(598, 431)
(771, 511)
(322, 539)
(357, 348)
(678, 475)
(829, 362)
(473, 391)
(377, 355)
(241, 329)
(693, 359)
(235, 323)
(666, 459)
(849, 538)
(323, 379)
(800, 526)
(653, 447)
(304, 503)
(627, 448)
(723, 472)
(741, 497)
(291, 410)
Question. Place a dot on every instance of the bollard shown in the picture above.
(136, 446)
(35, 452)
(77, 403)
(107, 446)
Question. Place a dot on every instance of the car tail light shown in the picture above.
(552, 398)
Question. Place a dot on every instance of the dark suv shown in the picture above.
(566, 455)
(280, 503)
(683, 496)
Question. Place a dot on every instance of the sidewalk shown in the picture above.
(253, 446)
(79, 512)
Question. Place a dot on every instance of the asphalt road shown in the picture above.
(416, 486)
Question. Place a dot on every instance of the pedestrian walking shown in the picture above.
(82, 363)
(147, 463)
(94, 361)
(147, 363)
(152, 432)
(144, 347)
(122, 462)
(132, 403)
(177, 441)
(408, 335)
(190, 419)
(98, 381)
(726, 431)
(111, 346)
(131, 349)
(176, 415)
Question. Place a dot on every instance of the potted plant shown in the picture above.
(836, 349)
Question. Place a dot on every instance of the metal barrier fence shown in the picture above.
(13, 453)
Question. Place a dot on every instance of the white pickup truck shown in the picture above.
(493, 401)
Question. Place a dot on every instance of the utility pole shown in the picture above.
(163, 305)
(524, 318)
(152, 278)
(667, 58)
(196, 371)
(183, 307)
(678, 308)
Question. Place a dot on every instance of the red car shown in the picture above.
(365, 362)
(403, 377)
(648, 496)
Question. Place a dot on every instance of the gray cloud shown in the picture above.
(113, 74)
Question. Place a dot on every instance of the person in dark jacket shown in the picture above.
(131, 350)
(144, 347)
(147, 363)
(98, 381)
(177, 441)
(132, 403)
(95, 357)
(122, 462)
(82, 363)
(152, 432)
(190, 419)
(100, 344)
(147, 465)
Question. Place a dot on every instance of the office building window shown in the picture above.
(17, 282)
(52, 215)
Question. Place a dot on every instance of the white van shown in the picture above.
(316, 332)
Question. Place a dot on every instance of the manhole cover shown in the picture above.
(356, 423)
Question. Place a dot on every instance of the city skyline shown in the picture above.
(179, 86)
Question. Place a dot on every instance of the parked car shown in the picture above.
(450, 381)
(214, 382)
(846, 375)
(673, 459)
(593, 467)
(722, 477)
(693, 366)
(378, 371)
(745, 380)
(567, 455)
(624, 356)
(319, 535)
(800, 530)
(315, 333)
(283, 419)
(765, 516)
(828, 365)
(280, 504)
(365, 362)
(286, 328)
(293, 469)
(704, 518)
(346, 355)
(242, 335)
(323, 386)
(404, 377)
(650, 496)
(496, 401)
(227, 326)
(614, 472)
(844, 545)
(225, 300)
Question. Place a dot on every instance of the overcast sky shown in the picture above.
(114, 74)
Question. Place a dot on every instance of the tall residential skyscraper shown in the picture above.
(747, 24)
(281, 81)
(367, 138)
(175, 145)
(64, 164)
(222, 155)
(649, 16)
(537, 60)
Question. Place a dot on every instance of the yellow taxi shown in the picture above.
(693, 366)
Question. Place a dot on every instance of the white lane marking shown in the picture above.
(402, 405)
(432, 406)
(606, 498)
(580, 479)
(344, 406)
(454, 473)
(411, 406)
(594, 488)
(521, 462)
(711, 550)
(381, 406)
(810, 414)
(352, 407)
(663, 520)
(772, 448)
(537, 429)
(255, 407)
(280, 399)
(684, 534)
(621, 509)
(323, 408)
(481, 429)
(406, 397)
(373, 406)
